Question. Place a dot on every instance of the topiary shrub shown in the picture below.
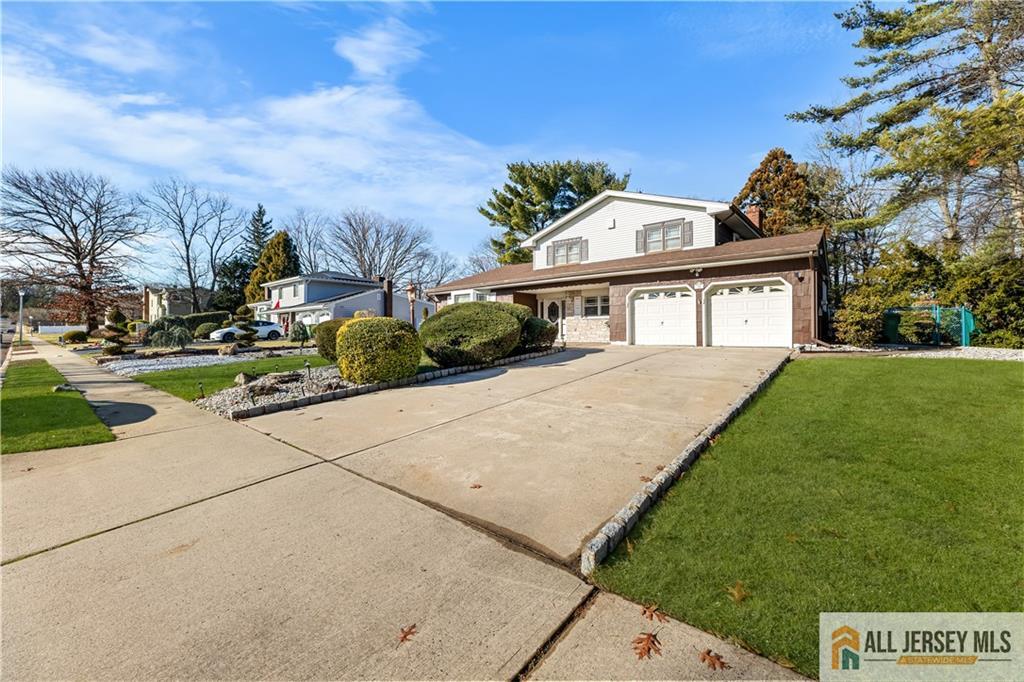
(75, 336)
(194, 320)
(204, 330)
(173, 337)
(299, 333)
(114, 332)
(469, 334)
(325, 334)
(242, 318)
(377, 349)
(538, 334)
(917, 326)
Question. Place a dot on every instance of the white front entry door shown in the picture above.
(665, 318)
(553, 310)
(751, 315)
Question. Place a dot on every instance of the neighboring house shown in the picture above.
(159, 301)
(332, 295)
(633, 268)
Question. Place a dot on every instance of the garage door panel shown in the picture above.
(665, 318)
(751, 315)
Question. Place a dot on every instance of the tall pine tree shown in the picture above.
(279, 259)
(537, 194)
(257, 234)
(781, 188)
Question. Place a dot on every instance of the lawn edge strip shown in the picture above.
(422, 377)
(612, 533)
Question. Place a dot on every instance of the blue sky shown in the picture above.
(413, 110)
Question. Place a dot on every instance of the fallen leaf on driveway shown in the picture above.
(645, 479)
(651, 612)
(713, 660)
(645, 644)
(407, 633)
(475, 486)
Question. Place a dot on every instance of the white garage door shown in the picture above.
(751, 315)
(665, 318)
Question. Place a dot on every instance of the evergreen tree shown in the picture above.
(538, 194)
(114, 332)
(942, 99)
(242, 319)
(232, 278)
(278, 260)
(781, 188)
(257, 234)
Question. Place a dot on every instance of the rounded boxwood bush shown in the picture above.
(517, 310)
(469, 334)
(538, 334)
(204, 330)
(75, 336)
(325, 334)
(377, 349)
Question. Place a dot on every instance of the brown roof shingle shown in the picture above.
(798, 244)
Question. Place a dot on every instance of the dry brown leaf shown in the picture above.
(406, 634)
(660, 468)
(475, 486)
(629, 547)
(713, 660)
(651, 612)
(645, 644)
(737, 592)
(645, 479)
(792, 537)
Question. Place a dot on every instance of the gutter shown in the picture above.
(622, 273)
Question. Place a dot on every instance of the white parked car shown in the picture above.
(264, 330)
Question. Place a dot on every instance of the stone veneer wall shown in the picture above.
(587, 329)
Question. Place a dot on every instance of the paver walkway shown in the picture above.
(197, 547)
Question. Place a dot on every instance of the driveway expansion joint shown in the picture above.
(615, 529)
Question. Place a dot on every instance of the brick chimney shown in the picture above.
(389, 298)
(755, 214)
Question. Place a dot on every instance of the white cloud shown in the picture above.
(120, 51)
(382, 50)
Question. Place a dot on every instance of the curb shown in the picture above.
(614, 531)
(268, 408)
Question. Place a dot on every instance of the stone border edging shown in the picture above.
(315, 399)
(613, 532)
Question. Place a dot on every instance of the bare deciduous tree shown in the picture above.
(435, 269)
(481, 259)
(307, 230)
(71, 230)
(220, 234)
(366, 243)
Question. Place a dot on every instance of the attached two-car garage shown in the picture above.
(752, 314)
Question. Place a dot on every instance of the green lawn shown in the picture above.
(184, 383)
(853, 484)
(36, 418)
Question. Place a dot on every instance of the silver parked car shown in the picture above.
(264, 330)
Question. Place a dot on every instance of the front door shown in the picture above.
(554, 312)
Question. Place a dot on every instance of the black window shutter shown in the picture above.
(641, 242)
(688, 233)
(551, 254)
(584, 249)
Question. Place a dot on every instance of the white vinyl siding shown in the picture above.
(610, 229)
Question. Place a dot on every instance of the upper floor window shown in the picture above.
(567, 251)
(295, 290)
(666, 236)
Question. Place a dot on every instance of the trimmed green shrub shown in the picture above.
(1000, 338)
(75, 336)
(517, 310)
(377, 349)
(325, 334)
(242, 318)
(194, 320)
(538, 334)
(114, 333)
(162, 324)
(469, 334)
(204, 330)
(172, 337)
(299, 333)
(916, 326)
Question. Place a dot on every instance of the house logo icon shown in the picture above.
(845, 649)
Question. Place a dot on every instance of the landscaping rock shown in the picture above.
(229, 349)
(243, 378)
(63, 387)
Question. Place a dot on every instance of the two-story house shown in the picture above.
(633, 268)
(329, 295)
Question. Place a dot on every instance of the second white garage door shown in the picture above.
(751, 315)
(665, 318)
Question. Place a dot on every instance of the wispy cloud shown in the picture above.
(381, 51)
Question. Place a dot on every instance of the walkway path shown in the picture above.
(198, 547)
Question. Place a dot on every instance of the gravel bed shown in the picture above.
(130, 368)
(966, 353)
(279, 387)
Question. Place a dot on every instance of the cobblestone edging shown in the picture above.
(270, 408)
(613, 532)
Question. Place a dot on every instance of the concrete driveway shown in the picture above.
(542, 452)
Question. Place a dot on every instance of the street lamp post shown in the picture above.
(410, 291)
(21, 316)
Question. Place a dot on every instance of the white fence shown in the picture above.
(61, 328)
